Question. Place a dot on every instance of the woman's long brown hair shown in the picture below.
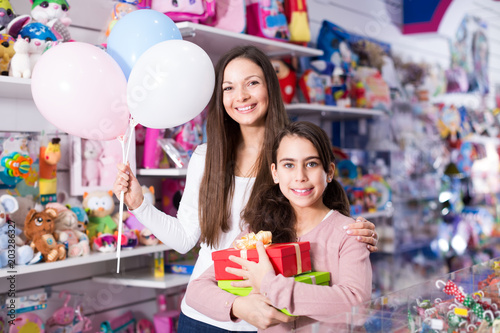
(271, 210)
(223, 137)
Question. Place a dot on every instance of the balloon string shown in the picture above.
(125, 138)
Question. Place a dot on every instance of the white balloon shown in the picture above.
(170, 84)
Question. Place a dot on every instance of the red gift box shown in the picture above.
(283, 256)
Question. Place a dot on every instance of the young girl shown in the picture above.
(305, 203)
(245, 114)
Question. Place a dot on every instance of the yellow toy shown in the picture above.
(6, 53)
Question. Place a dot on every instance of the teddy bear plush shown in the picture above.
(39, 229)
(67, 231)
(9, 235)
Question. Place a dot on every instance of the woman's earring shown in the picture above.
(276, 179)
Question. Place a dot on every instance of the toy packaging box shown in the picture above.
(288, 259)
(318, 278)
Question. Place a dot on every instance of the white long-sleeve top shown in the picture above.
(181, 233)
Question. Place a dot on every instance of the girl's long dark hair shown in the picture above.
(223, 137)
(271, 211)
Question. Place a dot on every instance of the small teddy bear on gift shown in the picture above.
(39, 229)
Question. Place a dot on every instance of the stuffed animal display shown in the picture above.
(39, 229)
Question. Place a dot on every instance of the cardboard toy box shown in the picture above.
(318, 278)
(288, 259)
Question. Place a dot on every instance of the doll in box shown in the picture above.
(90, 163)
(39, 229)
(50, 155)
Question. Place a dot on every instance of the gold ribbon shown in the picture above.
(299, 258)
(249, 241)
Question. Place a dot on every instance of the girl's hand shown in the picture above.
(126, 181)
(252, 272)
(365, 232)
(257, 310)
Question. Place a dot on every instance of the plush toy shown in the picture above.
(6, 15)
(6, 53)
(67, 233)
(9, 235)
(39, 229)
(90, 168)
(54, 14)
(50, 155)
(83, 219)
(111, 155)
(101, 206)
(25, 203)
(287, 79)
(20, 65)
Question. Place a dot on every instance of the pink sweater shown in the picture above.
(332, 250)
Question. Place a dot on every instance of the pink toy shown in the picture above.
(172, 193)
(27, 322)
(123, 324)
(185, 10)
(111, 155)
(67, 319)
(163, 319)
(152, 150)
(90, 170)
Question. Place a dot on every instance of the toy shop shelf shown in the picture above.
(170, 172)
(144, 278)
(217, 41)
(90, 259)
(16, 88)
(331, 112)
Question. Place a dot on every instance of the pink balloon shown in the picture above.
(81, 90)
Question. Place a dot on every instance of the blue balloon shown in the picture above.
(135, 33)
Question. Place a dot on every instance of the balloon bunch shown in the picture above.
(148, 76)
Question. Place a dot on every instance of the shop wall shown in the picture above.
(381, 20)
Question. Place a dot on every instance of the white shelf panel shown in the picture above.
(15, 88)
(91, 258)
(331, 112)
(171, 172)
(217, 41)
(144, 278)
